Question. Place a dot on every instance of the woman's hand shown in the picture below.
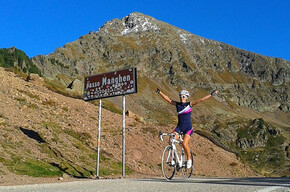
(214, 93)
(157, 90)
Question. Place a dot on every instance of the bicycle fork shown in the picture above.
(175, 154)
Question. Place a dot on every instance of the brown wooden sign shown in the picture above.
(110, 84)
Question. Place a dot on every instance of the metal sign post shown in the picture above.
(124, 124)
(112, 84)
(99, 138)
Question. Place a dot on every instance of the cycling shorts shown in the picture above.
(184, 128)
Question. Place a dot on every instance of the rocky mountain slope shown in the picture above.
(251, 116)
(175, 57)
(45, 134)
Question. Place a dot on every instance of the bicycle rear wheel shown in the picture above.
(187, 172)
(168, 163)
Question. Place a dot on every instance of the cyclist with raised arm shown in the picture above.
(184, 125)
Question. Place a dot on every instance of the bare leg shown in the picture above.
(186, 139)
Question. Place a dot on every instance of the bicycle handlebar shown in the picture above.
(169, 134)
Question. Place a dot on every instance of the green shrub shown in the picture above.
(261, 123)
(54, 61)
(30, 167)
(275, 141)
(114, 169)
(15, 58)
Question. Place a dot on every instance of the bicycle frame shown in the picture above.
(174, 150)
(170, 159)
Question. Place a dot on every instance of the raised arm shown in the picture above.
(165, 97)
(192, 103)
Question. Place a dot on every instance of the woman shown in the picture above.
(184, 109)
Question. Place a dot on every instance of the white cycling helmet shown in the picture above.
(184, 92)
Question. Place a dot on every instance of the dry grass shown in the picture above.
(50, 103)
(233, 164)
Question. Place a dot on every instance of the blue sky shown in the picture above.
(40, 26)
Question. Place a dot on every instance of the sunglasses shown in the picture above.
(183, 96)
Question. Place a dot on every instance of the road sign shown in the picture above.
(111, 84)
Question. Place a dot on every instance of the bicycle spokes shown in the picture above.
(170, 159)
(187, 172)
(168, 169)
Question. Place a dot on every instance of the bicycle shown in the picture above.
(170, 160)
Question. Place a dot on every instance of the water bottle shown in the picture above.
(173, 140)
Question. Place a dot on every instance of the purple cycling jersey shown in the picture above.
(184, 112)
(184, 118)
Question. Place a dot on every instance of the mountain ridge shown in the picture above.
(165, 55)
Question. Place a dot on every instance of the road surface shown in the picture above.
(160, 184)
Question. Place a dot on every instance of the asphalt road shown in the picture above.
(160, 184)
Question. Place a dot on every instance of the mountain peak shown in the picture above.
(133, 23)
(138, 22)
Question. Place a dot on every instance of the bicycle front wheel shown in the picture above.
(187, 172)
(168, 163)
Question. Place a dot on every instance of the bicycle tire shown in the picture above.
(168, 170)
(185, 171)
